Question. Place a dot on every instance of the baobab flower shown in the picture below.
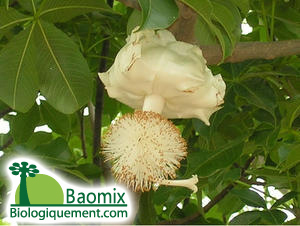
(155, 72)
(145, 149)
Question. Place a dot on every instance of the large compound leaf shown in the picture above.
(158, 14)
(18, 77)
(65, 79)
(10, 18)
(27, 5)
(61, 11)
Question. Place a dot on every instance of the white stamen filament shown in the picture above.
(188, 183)
(154, 103)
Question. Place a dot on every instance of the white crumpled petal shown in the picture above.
(154, 72)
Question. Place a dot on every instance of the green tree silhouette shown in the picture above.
(24, 170)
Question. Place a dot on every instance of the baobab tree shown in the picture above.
(24, 170)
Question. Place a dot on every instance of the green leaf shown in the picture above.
(293, 157)
(259, 217)
(228, 16)
(134, 20)
(157, 14)
(230, 204)
(274, 177)
(206, 162)
(65, 79)
(62, 11)
(205, 9)
(257, 92)
(243, 5)
(57, 149)
(38, 138)
(170, 197)
(250, 197)
(11, 17)
(146, 214)
(291, 110)
(285, 198)
(203, 33)
(27, 5)
(273, 217)
(57, 121)
(23, 125)
(89, 170)
(19, 79)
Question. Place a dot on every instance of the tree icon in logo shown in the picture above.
(24, 170)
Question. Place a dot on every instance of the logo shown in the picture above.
(41, 196)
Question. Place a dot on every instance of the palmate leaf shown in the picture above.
(61, 11)
(18, 76)
(65, 79)
(10, 18)
(27, 5)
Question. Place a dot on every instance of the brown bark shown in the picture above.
(253, 50)
(183, 29)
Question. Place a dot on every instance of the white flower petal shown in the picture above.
(154, 63)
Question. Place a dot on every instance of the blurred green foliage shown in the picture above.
(52, 48)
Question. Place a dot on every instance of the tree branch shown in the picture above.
(82, 133)
(183, 29)
(4, 112)
(7, 144)
(252, 50)
(97, 160)
(131, 3)
(214, 201)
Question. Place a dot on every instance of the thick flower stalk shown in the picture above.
(154, 72)
(146, 149)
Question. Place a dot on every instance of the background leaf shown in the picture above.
(57, 121)
(206, 162)
(158, 14)
(250, 197)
